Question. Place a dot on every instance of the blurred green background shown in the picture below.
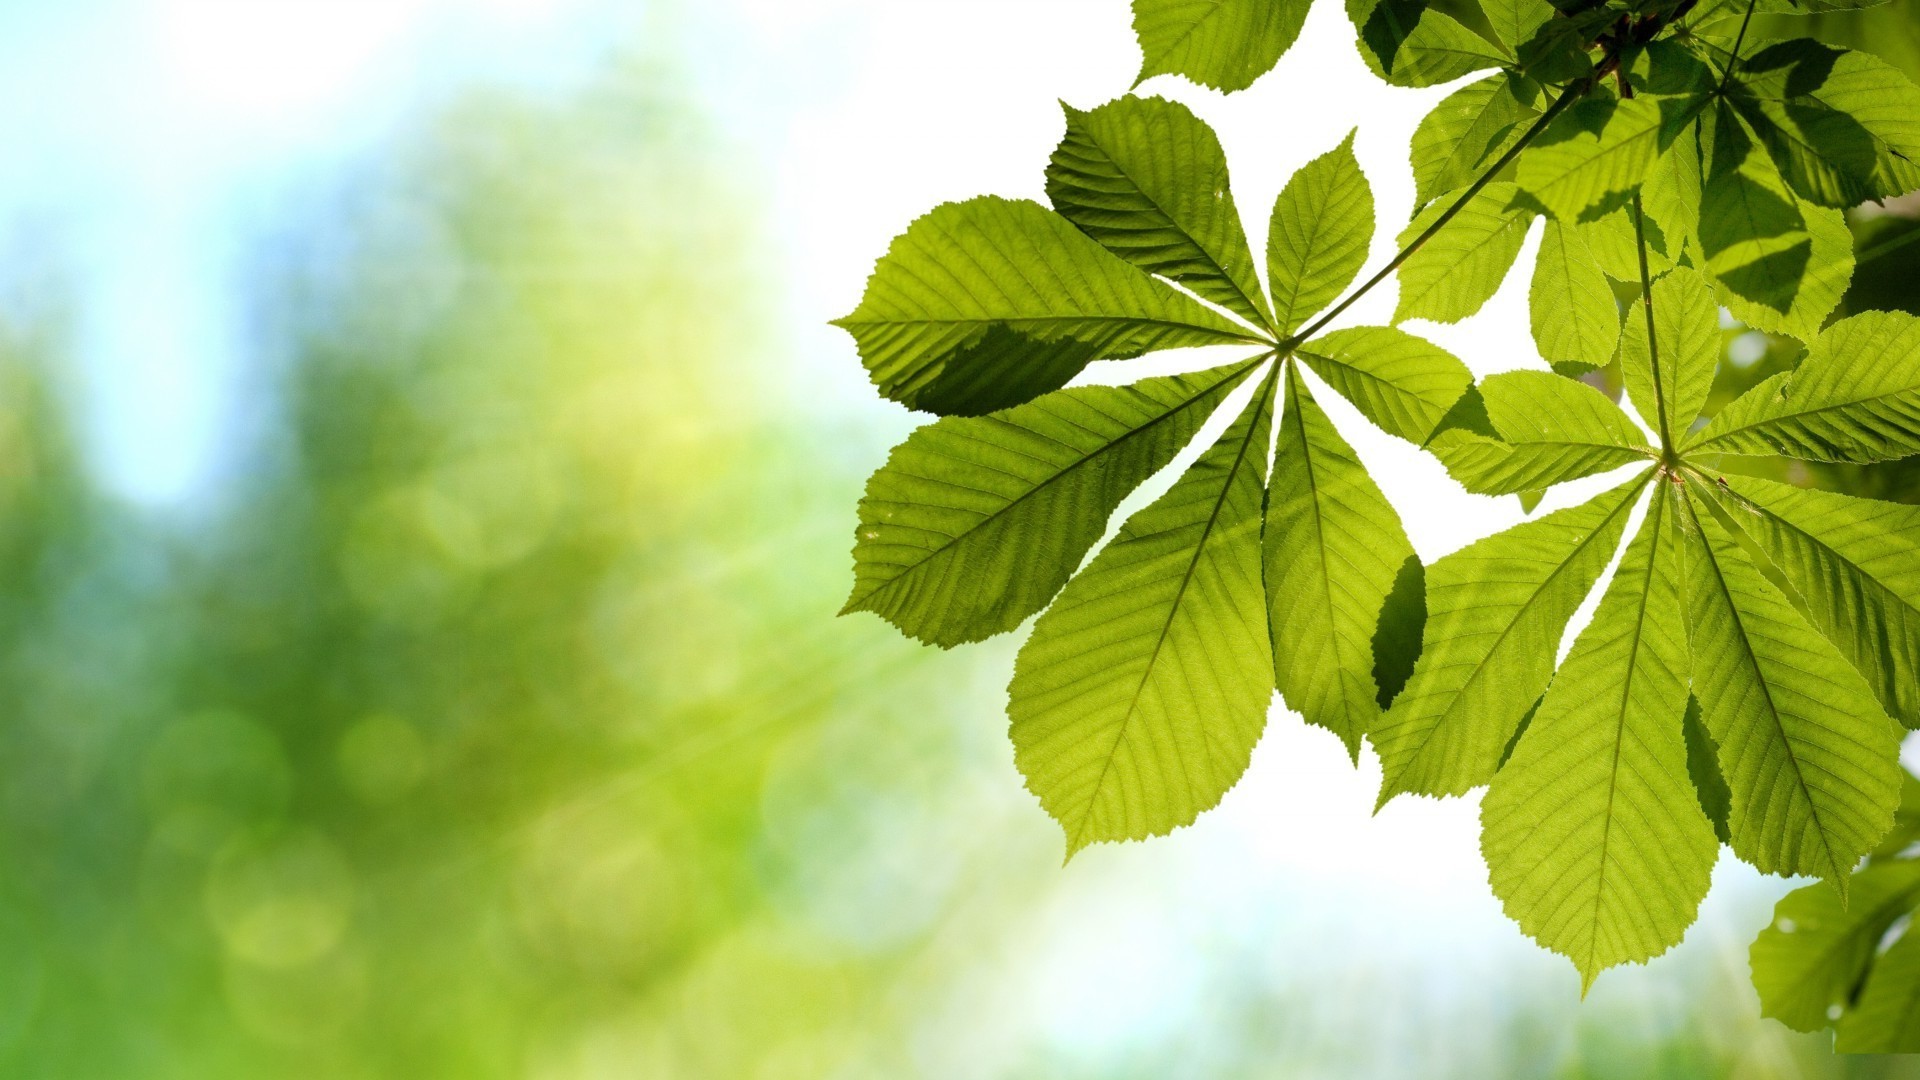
(492, 720)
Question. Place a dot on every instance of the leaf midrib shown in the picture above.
(1262, 400)
(1225, 383)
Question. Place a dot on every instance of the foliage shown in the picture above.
(1751, 664)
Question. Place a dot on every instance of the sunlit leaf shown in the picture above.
(1317, 240)
(988, 303)
(1335, 551)
(1469, 130)
(1856, 397)
(1592, 158)
(1139, 698)
(1457, 271)
(1809, 755)
(1409, 43)
(1405, 384)
(1495, 612)
(975, 522)
(1571, 307)
(1596, 843)
(1550, 430)
(1224, 44)
(1856, 565)
(1843, 127)
(1148, 180)
(1669, 395)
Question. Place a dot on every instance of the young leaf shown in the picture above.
(1148, 180)
(985, 304)
(1224, 44)
(1886, 1019)
(1811, 758)
(1334, 552)
(1592, 158)
(1551, 430)
(1462, 266)
(975, 522)
(1321, 227)
(1138, 699)
(1574, 316)
(1811, 958)
(1469, 130)
(1856, 397)
(1496, 609)
(1404, 384)
(1407, 43)
(1686, 326)
(1594, 839)
(1852, 561)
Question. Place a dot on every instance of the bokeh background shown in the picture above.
(426, 487)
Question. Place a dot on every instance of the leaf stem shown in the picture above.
(1733, 59)
(1653, 339)
(1572, 94)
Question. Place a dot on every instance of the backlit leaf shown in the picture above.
(1469, 130)
(1551, 430)
(1811, 958)
(1317, 241)
(988, 303)
(1574, 315)
(1148, 180)
(1686, 327)
(1457, 271)
(1224, 44)
(1139, 698)
(1405, 384)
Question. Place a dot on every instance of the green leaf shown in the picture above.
(1334, 551)
(1843, 127)
(1615, 247)
(1574, 316)
(1686, 326)
(1856, 564)
(1594, 839)
(1469, 130)
(1317, 242)
(1404, 384)
(1550, 430)
(985, 304)
(1516, 21)
(1148, 180)
(1224, 44)
(1703, 767)
(1782, 264)
(1408, 43)
(1496, 611)
(1812, 957)
(1856, 397)
(974, 523)
(1462, 266)
(1886, 1019)
(1906, 821)
(1809, 755)
(1138, 699)
(1592, 158)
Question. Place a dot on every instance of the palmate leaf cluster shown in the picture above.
(1754, 657)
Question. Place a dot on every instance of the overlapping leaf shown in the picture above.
(1405, 384)
(1148, 180)
(1813, 956)
(1495, 611)
(1591, 832)
(1335, 553)
(1409, 43)
(1468, 132)
(1139, 698)
(1571, 308)
(975, 522)
(1810, 756)
(989, 303)
(1855, 398)
(1456, 272)
(1548, 430)
(1668, 362)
